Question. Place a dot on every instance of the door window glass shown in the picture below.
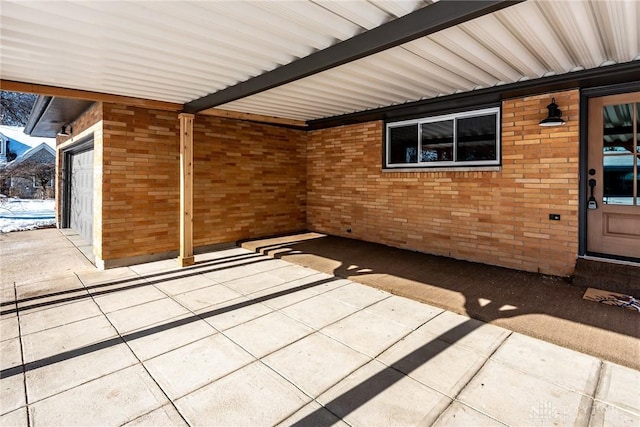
(620, 148)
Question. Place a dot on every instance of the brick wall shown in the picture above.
(496, 217)
(140, 179)
(250, 180)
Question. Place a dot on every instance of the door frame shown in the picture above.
(67, 153)
(583, 191)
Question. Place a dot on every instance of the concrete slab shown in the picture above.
(555, 364)
(298, 290)
(77, 368)
(57, 316)
(255, 283)
(404, 311)
(367, 333)
(376, 395)
(173, 286)
(125, 395)
(319, 311)
(17, 418)
(603, 415)
(459, 415)
(462, 330)
(442, 366)
(356, 295)
(237, 270)
(166, 416)
(516, 398)
(314, 415)
(9, 328)
(206, 297)
(11, 353)
(117, 300)
(268, 333)
(251, 396)
(53, 341)
(232, 313)
(315, 363)
(155, 344)
(145, 315)
(12, 394)
(430, 365)
(206, 360)
(619, 386)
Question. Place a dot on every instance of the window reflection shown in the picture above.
(618, 180)
(476, 138)
(403, 144)
(618, 129)
(437, 141)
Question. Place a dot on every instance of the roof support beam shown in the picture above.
(186, 190)
(422, 22)
(85, 95)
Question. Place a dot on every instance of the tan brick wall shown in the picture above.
(499, 218)
(250, 180)
(140, 181)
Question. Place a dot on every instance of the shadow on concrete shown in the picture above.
(156, 278)
(545, 307)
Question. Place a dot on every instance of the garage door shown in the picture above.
(81, 194)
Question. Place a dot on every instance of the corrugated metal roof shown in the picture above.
(179, 51)
(526, 41)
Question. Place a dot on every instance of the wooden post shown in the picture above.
(186, 190)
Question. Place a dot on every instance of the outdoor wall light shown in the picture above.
(65, 130)
(555, 115)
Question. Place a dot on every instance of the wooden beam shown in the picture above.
(60, 92)
(186, 190)
(218, 112)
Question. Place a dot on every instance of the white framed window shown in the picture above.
(469, 138)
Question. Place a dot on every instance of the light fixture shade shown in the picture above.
(555, 115)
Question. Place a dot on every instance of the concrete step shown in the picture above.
(608, 276)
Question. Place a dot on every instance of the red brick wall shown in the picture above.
(496, 217)
(250, 180)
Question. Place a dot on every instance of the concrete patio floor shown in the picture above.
(242, 339)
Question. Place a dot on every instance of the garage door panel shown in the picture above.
(81, 197)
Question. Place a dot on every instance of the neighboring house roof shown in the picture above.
(310, 60)
(32, 154)
(14, 138)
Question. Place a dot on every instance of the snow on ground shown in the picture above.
(22, 214)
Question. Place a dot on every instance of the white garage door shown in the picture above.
(81, 197)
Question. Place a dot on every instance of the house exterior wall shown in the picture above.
(250, 180)
(496, 217)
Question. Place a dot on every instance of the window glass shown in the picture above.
(618, 180)
(437, 141)
(403, 144)
(618, 129)
(470, 138)
(476, 138)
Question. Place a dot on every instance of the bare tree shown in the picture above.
(37, 176)
(15, 107)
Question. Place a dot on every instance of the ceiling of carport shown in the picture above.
(526, 41)
(179, 51)
(173, 51)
